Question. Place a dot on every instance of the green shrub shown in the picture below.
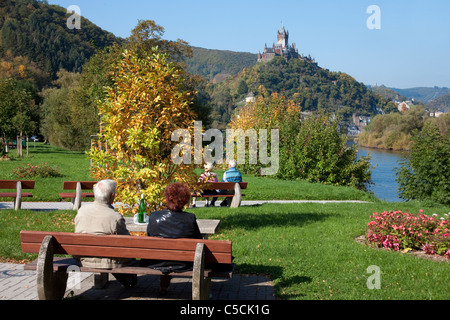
(315, 150)
(32, 171)
(424, 175)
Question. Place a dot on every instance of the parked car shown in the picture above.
(36, 138)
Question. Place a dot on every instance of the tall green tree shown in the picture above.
(425, 174)
(70, 115)
(19, 108)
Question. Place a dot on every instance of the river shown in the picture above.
(383, 175)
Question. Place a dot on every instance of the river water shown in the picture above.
(383, 175)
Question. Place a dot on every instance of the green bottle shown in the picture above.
(142, 210)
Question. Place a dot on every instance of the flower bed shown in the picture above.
(402, 231)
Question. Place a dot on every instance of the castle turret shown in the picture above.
(283, 37)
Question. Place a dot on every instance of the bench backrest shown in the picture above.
(127, 246)
(225, 185)
(85, 185)
(12, 184)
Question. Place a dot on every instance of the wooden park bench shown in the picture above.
(229, 186)
(51, 272)
(78, 187)
(18, 185)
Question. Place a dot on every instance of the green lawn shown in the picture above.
(310, 252)
(71, 164)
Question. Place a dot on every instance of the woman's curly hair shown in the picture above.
(177, 196)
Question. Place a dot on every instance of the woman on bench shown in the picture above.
(207, 176)
(173, 223)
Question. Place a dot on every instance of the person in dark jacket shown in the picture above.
(172, 223)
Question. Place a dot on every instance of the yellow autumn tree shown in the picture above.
(267, 112)
(147, 103)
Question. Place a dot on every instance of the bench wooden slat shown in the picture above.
(224, 185)
(236, 195)
(14, 195)
(85, 185)
(128, 247)
(156, 254)
(123, 241)
(12, 184)
(216, 196)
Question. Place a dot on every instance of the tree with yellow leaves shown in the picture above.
(147, 103)
(268, 112)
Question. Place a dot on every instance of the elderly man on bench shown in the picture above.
(99, 218)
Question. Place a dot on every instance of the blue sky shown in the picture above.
(411, 49)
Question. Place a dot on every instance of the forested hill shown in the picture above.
(209, 63)
(423, 94)
(38, 32)
(388, 93)
(303, 81)
(442, 103)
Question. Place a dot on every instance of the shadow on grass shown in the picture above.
(274, 273)
(251, 221)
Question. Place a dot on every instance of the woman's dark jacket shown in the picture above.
(172, 225)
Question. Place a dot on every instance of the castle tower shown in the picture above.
(280, 49)
(283, 37)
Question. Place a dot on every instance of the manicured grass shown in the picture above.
(267, 188)
(12, 222)
(311, 253)
(307, 249)
(71, 164)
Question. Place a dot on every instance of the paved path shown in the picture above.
(17, 284)
(48, 206)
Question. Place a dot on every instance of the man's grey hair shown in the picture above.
(104, 189)
(232, 163)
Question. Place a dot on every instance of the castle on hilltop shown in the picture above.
(281, 49)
